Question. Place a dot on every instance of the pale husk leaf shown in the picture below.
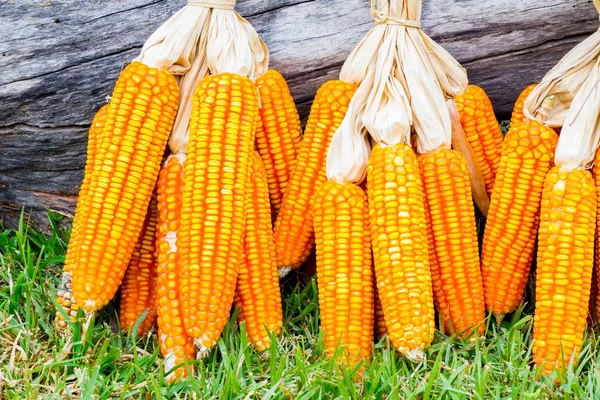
(461, 144)
(580, 134)
(404, 78)
(174, 44)
(204, 36)
(178, 140)
(235, 47)
(549, 102)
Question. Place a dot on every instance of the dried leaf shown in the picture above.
(404, 79)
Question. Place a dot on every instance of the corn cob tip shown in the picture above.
(203, 350)
(284, 271)
(169, 365)
(415, 355)
(499, 319)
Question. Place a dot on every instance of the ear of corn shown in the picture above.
(511, 228)
(258, 294)
(595, 290)
(482, 130)
(399, 241)
(278, 141)
(216, 170)
(453, 246)
(517, 114)
(65, 293)
(138, 122)
(138, 289)
(344, 270)
(175, 344)
(564, 266)
(294, 224)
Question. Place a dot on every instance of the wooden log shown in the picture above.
(59, 60)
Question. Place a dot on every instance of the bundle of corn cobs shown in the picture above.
(382, 181)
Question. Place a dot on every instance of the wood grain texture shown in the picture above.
(60, 58)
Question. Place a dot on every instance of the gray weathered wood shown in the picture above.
(60, 58)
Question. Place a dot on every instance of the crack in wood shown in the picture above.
(123, 11)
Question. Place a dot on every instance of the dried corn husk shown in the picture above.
(203, 37)
(404, 79)
(580, 135)
(550, 101)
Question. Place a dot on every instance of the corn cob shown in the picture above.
(138, 122)
(453, 246)
(399, 241)
(380, 327)
(65, 293)
(517, 114)
(221, 138)
(344, 270)
(482, 130)
(258, 294)
(595, 290)
(176, 346)
(138, 289)
(278, 142)
(294, 224)
(564, 267)
(511, 228)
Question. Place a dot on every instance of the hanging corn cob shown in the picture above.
(294, 224)
(482, 131)
(221, 138)
(138, 290)
(344, 266)
(125, 170)
(595, 289)
(213, 214)
(176, 346)
(224, 42)
(517, 114)
(278, 142)
(450, 215)
(513, 218)
(65, 292)
(405, 65)
(139, 119)
(257, 294)
(569, 95)
(453, 246)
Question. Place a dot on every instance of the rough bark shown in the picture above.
(60, 58)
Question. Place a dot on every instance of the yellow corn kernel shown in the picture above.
(482, 130)
(400, 250)
(595, 290)
(65, 292)
(453, 246)
(222, 129)
(294, 224)
(517, 114)
(278, 142)
(564, 266)
(139, 119)
(138, 289)
(175, 344)
(344, 270)
(258, 294)
(513, 218)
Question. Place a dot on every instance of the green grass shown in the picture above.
(105, 363)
